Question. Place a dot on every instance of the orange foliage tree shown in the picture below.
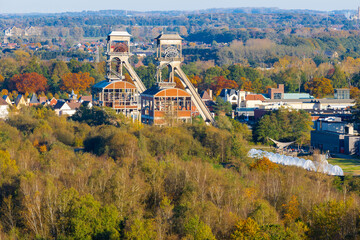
(319, 87)
(354, 92)
(291, 210)
(76, 81)
(4, 92)
(195, 80)
(263, 164)
(28, 82)
(247, 86)
(220, 83)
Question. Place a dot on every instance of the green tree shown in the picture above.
(59, 69)
(339, 78)
(198, 230)
(88, 220)
(141, 230)
(95, 116)
(284, 125)
(222, 107)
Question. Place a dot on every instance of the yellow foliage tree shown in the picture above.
(76, 81)
(354, 92)
(247, 229)
(263, 164)
(291, 210)
(247, 86)
(319, 87)
(8, 167)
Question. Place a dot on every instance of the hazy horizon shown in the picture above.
(42, 6)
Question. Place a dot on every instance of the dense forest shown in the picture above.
(111, 178)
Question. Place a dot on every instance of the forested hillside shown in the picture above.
(140, 182)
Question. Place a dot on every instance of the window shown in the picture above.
(277, 95)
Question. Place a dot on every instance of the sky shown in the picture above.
(51, 6)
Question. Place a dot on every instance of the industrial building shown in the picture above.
(115, 92)
(164, 103)
(334, 135)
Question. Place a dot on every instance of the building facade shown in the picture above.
(165, 106)
(122, 96)
(333, 135)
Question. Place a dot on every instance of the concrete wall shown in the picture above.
(351, 144)
(327, 141)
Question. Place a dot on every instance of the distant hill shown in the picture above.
(247, 10)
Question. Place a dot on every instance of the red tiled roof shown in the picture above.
(86, 98)
(205, 96)
(254, 97)
(74, 106)
(42, 99)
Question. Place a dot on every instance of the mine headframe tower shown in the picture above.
(169, 53)
(118, 54)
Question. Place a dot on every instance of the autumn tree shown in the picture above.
(263, 164)
(76, 81)
(247, 229)
(195, 80)
(354, 92)
(247, 86)
(28, 82)
(221, 83)
(319, 87)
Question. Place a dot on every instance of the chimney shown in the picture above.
(210, 93)
(281, 87)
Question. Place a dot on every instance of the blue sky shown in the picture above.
(50, 6)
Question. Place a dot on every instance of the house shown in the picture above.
(331, 54)
(14, 32)
(34, 101)
(7, 99)
(74, 106)
(206, 95)
(20, 101)
(42, 100)
(33, 31)
(230, 95)
(85, 98)
(207, 98)
(65, 108)
(52, 102)
(4, 109)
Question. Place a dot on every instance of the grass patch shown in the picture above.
(351, 166)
